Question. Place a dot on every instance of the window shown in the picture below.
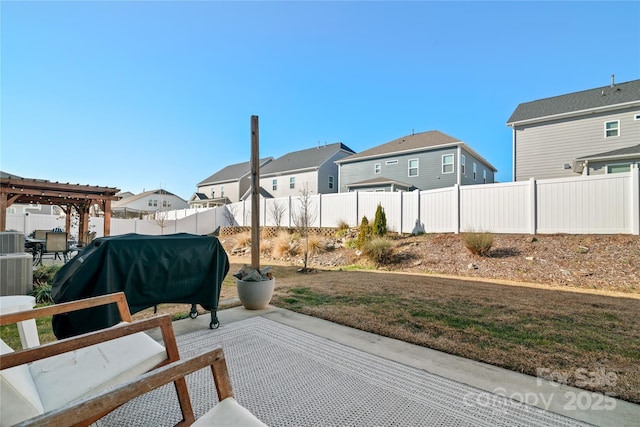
(292, 182)
(475, 171)
(330, 182)
(166, 204)
(447, 163)
(274, 184)
(413, 167)
(612, 129)
(153, 202)
(391, 162)
(222, 191)
(625, 167)
(462, 163)
(636, 117)
(376, 168)
(484, 176)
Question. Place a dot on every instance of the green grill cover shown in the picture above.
(150, 270)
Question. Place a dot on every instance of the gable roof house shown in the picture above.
(314, 168)
(422, 161)
(146, 203)
(225, 186)
(595, 131)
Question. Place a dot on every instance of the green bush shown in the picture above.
(378, 250)
(42, 282)
(380, 222)
(364, 235)
(478, 243)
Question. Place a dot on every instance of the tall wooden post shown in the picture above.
(255, 193)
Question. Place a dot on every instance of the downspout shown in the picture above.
(586, 167)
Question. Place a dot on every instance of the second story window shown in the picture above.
(330, 182)
(153, 202)
(292, 182)
(376, 168)
(484, 176)
(462, 163)
(413, 167)
(447, 163)
(612, 129)
(222, 191)
(274, 184)
(475, 172)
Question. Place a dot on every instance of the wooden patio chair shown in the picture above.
(227, 413)
(40, 380)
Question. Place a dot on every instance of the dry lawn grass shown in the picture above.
(522, 328)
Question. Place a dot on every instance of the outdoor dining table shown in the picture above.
(37, 248)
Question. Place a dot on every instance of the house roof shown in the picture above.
(413, 142)
(128, 200)
(261, 191)
(417, 142)
(621, 153)
(605, 97)
(232, 172)
(379, 181)
(310, 158)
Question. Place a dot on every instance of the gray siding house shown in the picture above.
(225, 186)
(422, 161)
(596, 131)
(314, 168)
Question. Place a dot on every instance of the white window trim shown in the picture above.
(274, 185)
(484, 176)
(331, 182)
(617, 128)
(377, 168)
(391, 162)
(292, 182)
(463, 168)
(636, 117)
(475, 171)
(417, 168)
(443, 164)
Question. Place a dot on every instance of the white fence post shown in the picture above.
(533, 226)
(319, 210)
(635, 199)
(456, 207)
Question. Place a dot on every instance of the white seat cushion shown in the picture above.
(19, 398)
(63, 378)
(228, 413)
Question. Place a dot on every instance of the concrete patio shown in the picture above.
(500, 383)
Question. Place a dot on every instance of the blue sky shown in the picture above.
(142, 95)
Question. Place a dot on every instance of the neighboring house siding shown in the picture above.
(309, 178)
(430, 174)
(482, 169)
(543, 149)
(329, 168)
(231, 190)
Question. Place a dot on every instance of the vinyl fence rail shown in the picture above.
(602, 204)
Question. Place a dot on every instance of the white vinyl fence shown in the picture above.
(603, 204)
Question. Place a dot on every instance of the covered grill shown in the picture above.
(150, 270)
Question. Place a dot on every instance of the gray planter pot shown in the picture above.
(255, 295)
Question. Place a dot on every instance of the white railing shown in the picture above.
(603, 204)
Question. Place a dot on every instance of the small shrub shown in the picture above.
(243, 240)
(378, 250)
(478, 243)
(380, 222)
(342, 232)
(351, 243)
(284, 245)
(44, 274)
(343, 225)
(364, 235)
(315, 244)
(42, 293)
